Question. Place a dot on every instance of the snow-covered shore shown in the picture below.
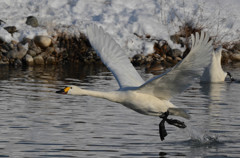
(122, 18)
(136, 25)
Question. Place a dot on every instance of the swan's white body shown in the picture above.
(214, 72)
(151, 97)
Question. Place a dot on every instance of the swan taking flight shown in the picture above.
(153, 96)
(214, 72)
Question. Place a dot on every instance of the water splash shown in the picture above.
(200, 137)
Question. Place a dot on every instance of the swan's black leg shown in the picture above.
(162, 129)
(230, 76)
(174, 122)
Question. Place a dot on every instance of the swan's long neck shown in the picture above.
(112, 96)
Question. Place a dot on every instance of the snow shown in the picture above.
(123, 18)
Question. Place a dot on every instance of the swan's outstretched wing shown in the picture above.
(113, 57)
(182, 76)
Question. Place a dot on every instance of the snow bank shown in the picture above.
(123, 18)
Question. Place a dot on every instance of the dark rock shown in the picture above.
(1, 21)
(226, 57)
(235, 51)
(26, 40)
(32, 21)
(177, 39)
(17, 62)
(11, 29)
(237, 46)
(138, 59)
(50, 60)
(176, 53)
(162, 48)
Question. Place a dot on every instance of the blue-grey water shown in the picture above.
(35, 122)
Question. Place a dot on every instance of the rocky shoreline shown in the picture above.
(63, 48)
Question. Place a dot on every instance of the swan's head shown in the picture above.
(70, 90)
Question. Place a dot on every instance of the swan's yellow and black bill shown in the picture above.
(63, 91)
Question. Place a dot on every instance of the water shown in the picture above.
(36, 122)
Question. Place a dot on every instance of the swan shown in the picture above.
(214, 72)
(153, 96)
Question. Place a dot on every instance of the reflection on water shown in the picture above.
(37, 122)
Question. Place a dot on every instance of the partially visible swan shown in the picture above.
(150, 97)
(214, 72)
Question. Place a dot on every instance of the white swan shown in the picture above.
(214, 72)
(151, 97)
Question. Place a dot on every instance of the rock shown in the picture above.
(169, 59)
(138, 59)
(176, 39)
(1, 21)
(18, 52)
(4, 59)
(154, 69)
(237, 46)
(44, 55)
(4, 62)
(32, 21)
(148, 59)
(38, 60)
(28, 59)
(178, 59)
(33, 47)
(235, 51)
(226, 57)
(235, 57)
(18, 62)
(31, 53)
(50, 50)
(156, 56)
(42, 41)
(50, 60)
(11, 29)
(176, 53)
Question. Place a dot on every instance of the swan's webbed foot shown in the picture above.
(230, 76)
(174, 122)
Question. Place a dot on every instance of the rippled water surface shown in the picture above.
(36, 122)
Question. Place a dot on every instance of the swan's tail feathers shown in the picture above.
(179, 112)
